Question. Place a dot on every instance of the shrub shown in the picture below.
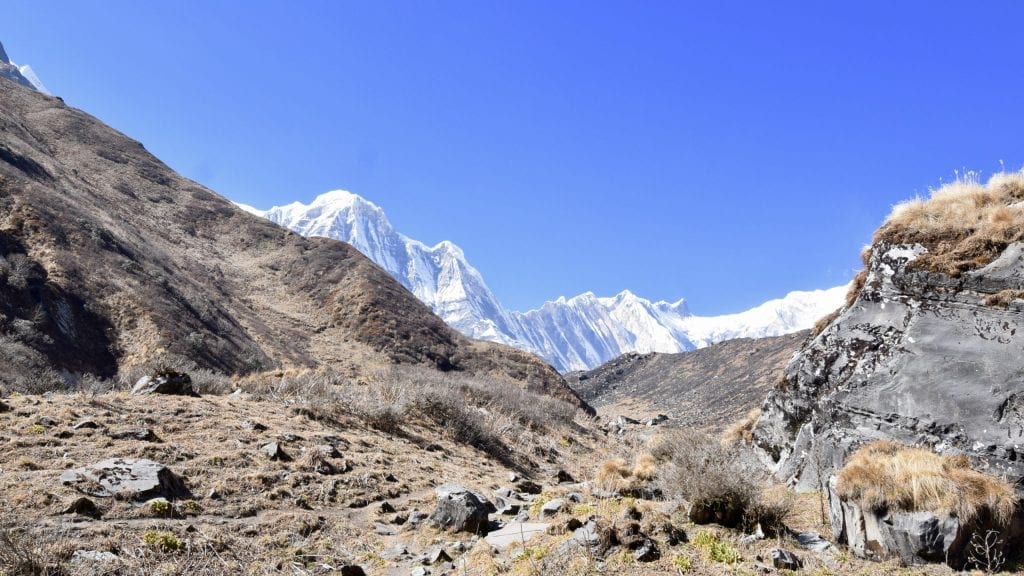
(165, 541)
(715, 549)
(721, 483)
(1003, 298)
(617, 475)
(18, 555)
(888, 475)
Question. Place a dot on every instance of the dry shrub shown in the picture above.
(888, 475)
(613, 475)
(23, 555)
(824, 322)
(964, 225)
(645, 468)
(742, 430)
(856, 286)
(1003, 298)
(722, 483)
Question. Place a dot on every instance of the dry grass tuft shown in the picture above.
(886, 474)
(824, 322)
(741, 431)
(1003, 298)
(617, 475)
(964, 225)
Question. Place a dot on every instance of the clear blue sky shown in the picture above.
(725, 152)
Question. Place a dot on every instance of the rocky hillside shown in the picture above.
(109, 259)
(928, 349)
(707, 388)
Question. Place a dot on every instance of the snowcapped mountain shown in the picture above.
(572, 334)
(23, 75)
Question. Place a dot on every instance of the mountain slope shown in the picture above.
(110, 259)
(23, 75)
(710, 387)
(572, 334)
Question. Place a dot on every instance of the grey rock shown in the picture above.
(4, 407)
(659, 419)
(563, 477)
(551, 508)
(254, 426)
(923, 338)
(83, 507)
(416, 518)
(435, 555)
(813, 542)
(165, 382)
(574, 497)
(785, 560)
(140, 480)
(274, 451)
(352, 570)
(396, 552)
(46, 421)
(459, 509)
(84, 424)
(420, 571)
(93, 557)
(528, 487)
(140, 434)
(647, 551)
(384, 529)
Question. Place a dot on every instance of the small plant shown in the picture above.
(682, 563)
(26, 463)
(161, 507)
(714, 549)
(35, 429)
(165, 541)
(191, 507)
(986, 552)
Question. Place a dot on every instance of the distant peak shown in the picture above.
(3, 55)
(336, 197)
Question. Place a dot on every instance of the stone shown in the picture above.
(574, 497)
(420, 571)
(386, 508)
(85, 424)
(459, 509)
(515, 532)
(93, 557)
(384, 529)
(435, 555)
(528, 487)
(647, 551)
(416, 518)
(274, 451)
(623, 421)
(551, 508)
(813, 542)
(83, 507)
(352, 570)
(140, 434)
(165, 382)
(563, 477)
(138, 479)
(396, 552)
(659, 419)
(785, 560)
(4, 407)
(254, 426)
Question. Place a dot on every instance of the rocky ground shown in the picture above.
(250, 483)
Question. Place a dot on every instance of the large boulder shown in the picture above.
(460, 509)
(140, 480)
(918, 357)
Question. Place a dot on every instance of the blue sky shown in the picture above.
(725, 152)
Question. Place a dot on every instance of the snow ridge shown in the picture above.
(575, 333)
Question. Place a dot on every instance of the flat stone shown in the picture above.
(515, 532)
(551, 508)
(167, 382)
(140, 434)
(384, 529)
(85, 424)
(785, 560)
(274, 451)
(141, 480)
(83, 507)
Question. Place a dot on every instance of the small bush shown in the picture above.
(20, 555)
(165, 541)
(1003, 298)
(715, 549)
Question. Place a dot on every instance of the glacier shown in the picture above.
(577, 333)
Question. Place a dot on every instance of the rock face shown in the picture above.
(140, 480)
(460, 510)
(917, 357)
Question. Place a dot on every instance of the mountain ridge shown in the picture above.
(571, 333)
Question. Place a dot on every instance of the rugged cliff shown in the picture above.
(928, 350)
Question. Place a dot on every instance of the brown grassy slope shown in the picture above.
(131, 258)
(710, 387)
(964, 224)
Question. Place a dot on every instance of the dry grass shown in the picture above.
(964, 225)
(886, 474)
(617, 475)
(1003, 298)
(741, 431)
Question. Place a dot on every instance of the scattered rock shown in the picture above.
(274, 451)
(396, 552)
(84, 507)
(660, 418)
(574, 497)
(141, 480)
(4, 407)
(528, 487)
(254, 426)
(140, 434)
(46, 421)
(416, 518)
(435, 555)
(512, 476)
(384, 529)
(623, 421)
(165, 382)
(563, 477)
(813, 541)
(459, 509)
(93, 557)
(386, 508)
(551, 508)
(351, 570)
(420, 571)
(785, 560)
(84, 424)
(647, 551)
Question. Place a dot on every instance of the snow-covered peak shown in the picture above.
(573, 333)
(23, 75)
